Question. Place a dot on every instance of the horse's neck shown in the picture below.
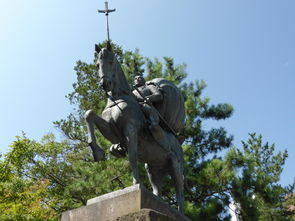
(122, 87)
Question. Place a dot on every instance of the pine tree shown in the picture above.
(65, 174)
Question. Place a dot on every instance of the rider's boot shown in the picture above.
(118, 151)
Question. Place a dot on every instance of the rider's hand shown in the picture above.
(140, 99)
(148, 101)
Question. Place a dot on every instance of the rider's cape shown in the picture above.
(172, 106)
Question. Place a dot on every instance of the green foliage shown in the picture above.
(255, 183)
(23, 197)
(64, 174)
(290, 205)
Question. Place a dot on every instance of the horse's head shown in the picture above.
(106, 63)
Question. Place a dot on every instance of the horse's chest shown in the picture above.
(111, 114)
(117, 114)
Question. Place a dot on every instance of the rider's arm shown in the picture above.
(138, 96)
(156, 94)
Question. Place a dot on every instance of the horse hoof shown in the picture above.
(98, 156)
(135, 181)
(98, 153)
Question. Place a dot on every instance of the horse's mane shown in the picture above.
(124, 86)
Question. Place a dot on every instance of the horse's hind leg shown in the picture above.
(156, 178)
(131, 139)
(103, 126)
(176, 173)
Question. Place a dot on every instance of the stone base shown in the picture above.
(145, 215)
(132, 203)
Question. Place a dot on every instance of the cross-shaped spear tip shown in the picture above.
(106, 11)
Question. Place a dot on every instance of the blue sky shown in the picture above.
(243, 49)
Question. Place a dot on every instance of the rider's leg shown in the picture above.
(157, 132)
(154, 117)
(151, 114)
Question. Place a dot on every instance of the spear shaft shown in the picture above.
(160, 116)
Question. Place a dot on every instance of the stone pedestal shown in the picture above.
(133, 203)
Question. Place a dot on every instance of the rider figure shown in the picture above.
(147, 95)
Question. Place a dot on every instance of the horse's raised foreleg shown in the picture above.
(104, 127)
(131, 138)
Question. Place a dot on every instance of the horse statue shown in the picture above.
(123, 122)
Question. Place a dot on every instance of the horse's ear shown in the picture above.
(97, 48)
(109, 46)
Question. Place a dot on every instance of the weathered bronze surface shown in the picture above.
(144, 122)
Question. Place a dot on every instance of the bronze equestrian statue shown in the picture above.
(124, 124)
